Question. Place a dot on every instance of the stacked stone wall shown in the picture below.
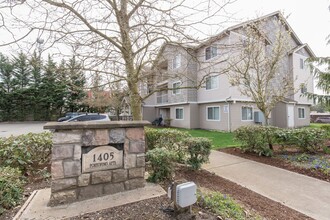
(70, 183)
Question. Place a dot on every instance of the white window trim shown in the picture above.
(177, 67)
(246, 106)
(211, 57)
(178, 90)
(214, 106)
(304, 112)
(182, 114)
(217, 80)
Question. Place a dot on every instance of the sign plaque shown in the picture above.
(102, 158)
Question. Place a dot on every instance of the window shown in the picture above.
(179, 113)
(212, 82)
(303, 88)
(247, 113)
(301, 113)
(175, 90)
(301, 63)
(210, 52)
(213, 113)
(176, 61)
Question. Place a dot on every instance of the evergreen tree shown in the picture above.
(6, 87)
(77, 81)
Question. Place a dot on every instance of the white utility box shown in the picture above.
(186, 194)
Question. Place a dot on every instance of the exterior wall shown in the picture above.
(149, 113)
(77, 176)
(299, 122)
(180, 123)
(194, 116)
(302, 76)
(228, 121)
(279, 115)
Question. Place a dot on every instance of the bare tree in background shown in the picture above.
(116, 37)
(259, 68)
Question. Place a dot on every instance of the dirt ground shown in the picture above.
(161, 207)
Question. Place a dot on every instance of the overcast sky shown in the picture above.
(310, 20)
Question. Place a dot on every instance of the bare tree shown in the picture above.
(259, 66)
(116, 37)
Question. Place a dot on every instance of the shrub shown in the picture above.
(308, 139)
(162, 164)
(170, 139)
(11, 188)
(167, 138)
(26, 152)
(222, 205)
(257, 139)
(326, 128)
(199, 150)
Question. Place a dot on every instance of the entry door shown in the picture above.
(290, 109)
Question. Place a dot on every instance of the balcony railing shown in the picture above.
(162, 99)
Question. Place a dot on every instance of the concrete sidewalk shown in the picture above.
(307, 195)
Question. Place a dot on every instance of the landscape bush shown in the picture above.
(257, 139)
(11, 187)
(162, 165)
(26, 152)
(199, 150)
(307, 139)
(167, 138)
(222, 205)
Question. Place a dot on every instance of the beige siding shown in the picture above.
(194, 116)
(149, 113)
(180, 123)
(301, 122)
(279, 115)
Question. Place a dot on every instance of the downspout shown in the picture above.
(229, 115)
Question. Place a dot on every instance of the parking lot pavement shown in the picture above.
(17, 128)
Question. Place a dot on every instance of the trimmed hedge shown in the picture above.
(26, 152)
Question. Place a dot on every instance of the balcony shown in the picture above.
(163, 98)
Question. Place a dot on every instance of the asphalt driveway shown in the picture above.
(17, 128)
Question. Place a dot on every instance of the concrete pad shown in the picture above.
(36, 206)
(307, 195)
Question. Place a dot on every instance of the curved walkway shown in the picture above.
(305, 194)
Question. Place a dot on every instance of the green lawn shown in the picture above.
(219, 139)
(318, 125)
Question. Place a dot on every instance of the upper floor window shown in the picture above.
(303, 88)
(247, 113)
(176, 87)
(212, 82)
(213, 113)
(210, 52)
(176, 63)
(301, 63)
(179, 113)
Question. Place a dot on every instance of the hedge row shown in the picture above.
(260, 139)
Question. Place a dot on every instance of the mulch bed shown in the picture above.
(161, 207)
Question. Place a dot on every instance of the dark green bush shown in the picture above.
(162, 164)
(308, 139)
(168, 138)
(26, 152)
(199, 150)
(11, 187)
(257, 139)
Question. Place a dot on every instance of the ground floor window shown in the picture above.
(247, 113)
(179, 113)
(213, 113)
(301, 113)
